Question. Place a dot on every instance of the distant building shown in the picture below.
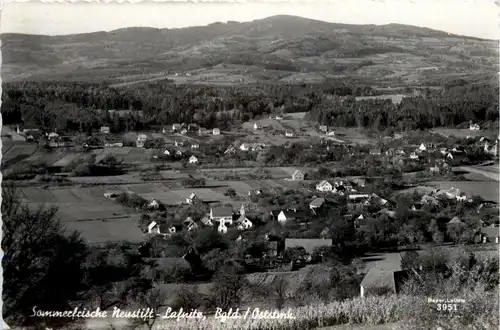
(316, 204)
(184, 131)
(141, 140)
(222, 228)
(324, 186)
(256, 126)
(323, 128)
(216, 131)
(153, 205)
(244, 147)
(474, 127)
(191, 199)
(422, 147)
(176, 127)
(490, 234)
(222, 214)
(105, 129)
(297, 176)
(193, 160)
(376, 152)
(195, 146)
(330, 133)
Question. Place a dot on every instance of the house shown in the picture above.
(229, 151)
(358, 197)
(161, 229)
(216, 131)
(166, 152)
(184, 131)
(324, 186)
(309, 244)
(413, 155)
(207, 222)
(178, 153)
(112, 194)
(141, 140)
(244, 147)
(455, 222)
(449, 155)
(193, 160)
(287, 216)
(323, 128)
(493, 150)
(202, 131)
(434, 169)
(176, 127)
(192, 127)
(461, 197)
(382, 281)
(490, 234)
(256, 126)
(222, 214)
(316, 204)
(359, 182)
(330, 133)
(422, 147)
(179, 143)
(474, 127)
(153, 205)
(297, 176)
(191, 199)
(288, 134)
(376, 152)
(195, 146)
(105, 129)
(244, 223)
(52, 136)
(190, 224)
(222, 229)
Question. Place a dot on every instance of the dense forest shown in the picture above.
(84, 107)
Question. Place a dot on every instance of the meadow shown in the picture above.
(487, 190)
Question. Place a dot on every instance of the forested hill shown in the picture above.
(77, 106)
(286, 44)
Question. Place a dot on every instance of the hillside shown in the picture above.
(269, 49)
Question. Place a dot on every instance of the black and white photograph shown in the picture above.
(281, 165)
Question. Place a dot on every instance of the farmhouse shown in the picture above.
(316, 204)
(216, 131)
(490, 234)
(153, 205)
(330, 133)
(380, 281)
(195, 146)
(286, 216)
(422, 147)
(191, 199)
(176, 127)
(222, 214)
(288, 134)
(413, 155)
(297, 176)
(193, 160)
(323, 128)
(324, 186)
(166, 152)
(376, 152)
(309, 244)
(256, 126)
(244, 147)
(222, 229)
(474, 127)
(105, 129)
(162, 229)
(141, 140)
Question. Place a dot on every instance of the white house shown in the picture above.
(324, 186)
(284, 216)
(207, 222)
(184, 131)
(413, 155)
(288, 134)
(191, 199)
(105, 129)
(178, 153)
(474, 127)
(222, 229)
(256, 126)
(222, 214)
(297, 176)
(153, 228)
(153, 205)
(330, 133)
(244, 147)
(323, 128)
(422, 147)
(195, 146)
(166, 152)
(176, 127)
(216, 131)
(193, 160)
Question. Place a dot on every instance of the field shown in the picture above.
(16, 151)
(487, 190)
(395, 98)
(462, 132)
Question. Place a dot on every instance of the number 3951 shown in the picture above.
(446, 307)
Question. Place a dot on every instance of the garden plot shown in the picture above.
(38, 195)
(147, 188)
(67, 160)
(64, 196)
(102, 209)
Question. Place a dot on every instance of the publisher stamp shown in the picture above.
(447, 305)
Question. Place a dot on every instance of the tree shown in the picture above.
(155, 298)
(188, 297)
(410, 260)
(42, 265)
(281, 287)
(229, 284)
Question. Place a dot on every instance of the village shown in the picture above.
(285, 207)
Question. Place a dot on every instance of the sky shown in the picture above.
(478, 18)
